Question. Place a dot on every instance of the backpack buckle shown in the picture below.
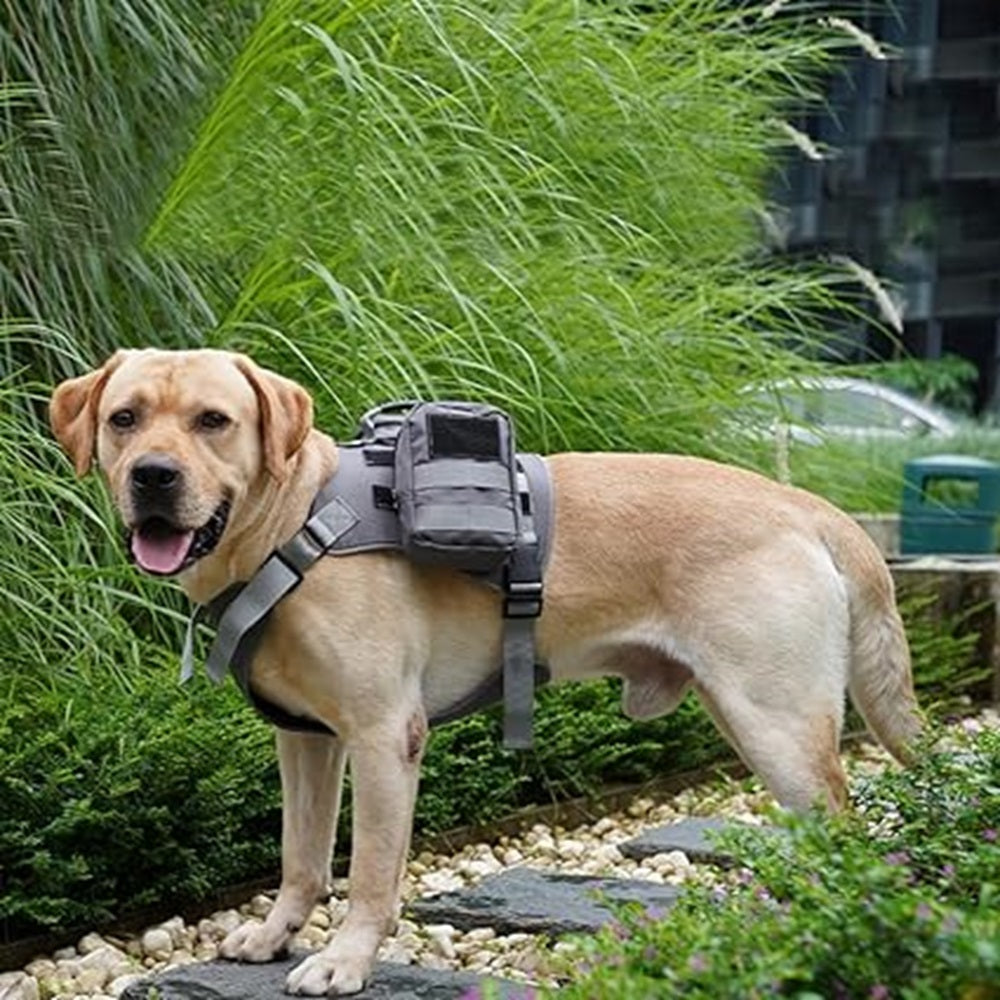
(522, 598)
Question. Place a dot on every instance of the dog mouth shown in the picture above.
(163, 548)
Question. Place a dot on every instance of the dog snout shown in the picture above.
(156, 478)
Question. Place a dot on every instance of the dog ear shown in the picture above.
(73, 412)
(286, 415)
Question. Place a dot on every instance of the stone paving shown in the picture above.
(520, 901)
(225, 981)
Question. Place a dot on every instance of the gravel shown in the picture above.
(103, 966)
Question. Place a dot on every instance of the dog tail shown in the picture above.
(880, 679)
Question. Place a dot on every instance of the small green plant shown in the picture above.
(897, 899)
(948, 669)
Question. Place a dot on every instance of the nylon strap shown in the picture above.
(280, 574)
(522, 605)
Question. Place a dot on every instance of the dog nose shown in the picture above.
(155, 473)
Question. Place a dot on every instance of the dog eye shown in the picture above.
(123, 419)
(212, 420)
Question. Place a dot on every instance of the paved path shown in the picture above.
(519, 900)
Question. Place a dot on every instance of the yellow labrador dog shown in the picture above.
(669, 572)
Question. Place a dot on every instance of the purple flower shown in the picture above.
(990, 835)
(655, 913)
(924, 912)
(879, 992)
(472, 993)
(948, 871)
(697, 962)
(897, 858)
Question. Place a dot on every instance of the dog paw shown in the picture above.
(323, 975)
(253, 942)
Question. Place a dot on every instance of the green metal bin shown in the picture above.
(950, 505)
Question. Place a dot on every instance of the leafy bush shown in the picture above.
(114, 800)
(897, 899)
(948, 668)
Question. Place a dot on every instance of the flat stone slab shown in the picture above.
(693, 837)
(237, 981)
(535, 901)
(689, 836)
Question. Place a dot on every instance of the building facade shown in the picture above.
(909, 184)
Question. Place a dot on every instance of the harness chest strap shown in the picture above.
(336, 528)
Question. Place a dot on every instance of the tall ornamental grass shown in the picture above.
(552, 205)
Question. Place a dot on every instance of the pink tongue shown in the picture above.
(164, 554)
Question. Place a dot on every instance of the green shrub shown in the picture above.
(948, 668)
(114, 799)
(898, 899)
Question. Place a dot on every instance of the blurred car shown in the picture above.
(835, 406)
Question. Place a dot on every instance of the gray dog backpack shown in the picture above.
(443, 483)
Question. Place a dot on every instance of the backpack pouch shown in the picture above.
(456, 485)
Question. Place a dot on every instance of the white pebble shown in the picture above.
(90, 942)
(227, 920)
(206, 951)
(92, 980)
(434, 961)
(443, 939)
(481, 934)
(572, 849)
(393, 951)
(67, 968)
(157, 944)
(176, 929)
(441, 882)
(40, 968)
(18, 986)
(105, 957)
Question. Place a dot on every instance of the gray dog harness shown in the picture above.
(357, 511)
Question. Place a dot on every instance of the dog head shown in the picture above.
(186, 439)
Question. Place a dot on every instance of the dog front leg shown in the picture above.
(385, 767)
(312, 773)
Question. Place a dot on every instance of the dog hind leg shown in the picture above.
(794, 752)
(312, 770)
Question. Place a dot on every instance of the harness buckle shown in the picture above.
(522, 598)
(300, 551)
